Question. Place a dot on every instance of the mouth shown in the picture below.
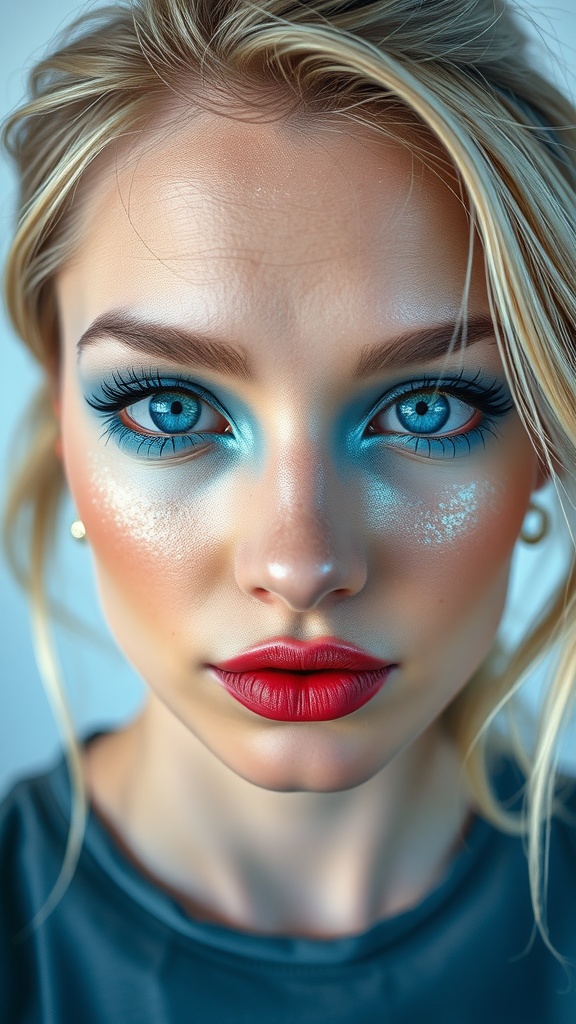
(291, 681)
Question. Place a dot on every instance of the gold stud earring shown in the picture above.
(538, 524)
(78, 530)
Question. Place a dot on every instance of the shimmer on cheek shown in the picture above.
(152, 524)
(454, 514)
(155, 516)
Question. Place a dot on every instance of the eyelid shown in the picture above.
(125, 388)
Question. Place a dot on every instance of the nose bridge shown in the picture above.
(297, 475)
(297, 520)
(302, 545)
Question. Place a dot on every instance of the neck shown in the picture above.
(302, 863)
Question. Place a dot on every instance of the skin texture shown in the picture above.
(300, 249)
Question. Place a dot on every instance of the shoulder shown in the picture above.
(27, 813)
(32, 844)
(557, 842)
(26, 816)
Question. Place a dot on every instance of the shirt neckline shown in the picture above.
(102, 849)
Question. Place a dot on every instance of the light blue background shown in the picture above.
(103, 689)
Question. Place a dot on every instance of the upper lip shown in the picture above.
(300, 656)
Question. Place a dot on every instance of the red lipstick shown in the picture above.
(292, 681)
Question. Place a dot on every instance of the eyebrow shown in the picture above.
(191, 348)
(423, 345)
(175, 343)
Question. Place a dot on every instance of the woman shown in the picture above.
(301, 279)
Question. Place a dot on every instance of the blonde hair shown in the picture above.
(465, 75)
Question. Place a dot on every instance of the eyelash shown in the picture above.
(490, 397)
(121, 391)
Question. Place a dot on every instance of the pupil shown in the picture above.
(421, 408)
(176, 408)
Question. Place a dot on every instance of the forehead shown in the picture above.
(222, 215)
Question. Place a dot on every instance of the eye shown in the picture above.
(173, 412)
(426, 413)
(154, 417)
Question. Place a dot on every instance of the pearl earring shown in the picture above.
(78, 530)
(540, 524)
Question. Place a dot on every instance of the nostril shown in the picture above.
(261, 594)
(337, 595)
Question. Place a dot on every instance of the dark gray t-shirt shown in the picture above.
(120, 950)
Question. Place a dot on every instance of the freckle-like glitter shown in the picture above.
(454, 515)
(144, 519)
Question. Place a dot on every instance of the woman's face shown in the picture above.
(287, 296)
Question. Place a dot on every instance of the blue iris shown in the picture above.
(423, 412)
(174, 412)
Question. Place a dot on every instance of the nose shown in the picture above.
(303, 543)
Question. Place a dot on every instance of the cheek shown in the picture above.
(458, 537)
(461, 562)
(157, 536)
(445, 537)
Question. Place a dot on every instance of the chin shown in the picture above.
(295, 766)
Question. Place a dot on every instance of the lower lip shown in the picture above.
(303, 697)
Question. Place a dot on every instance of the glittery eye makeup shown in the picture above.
(441, 417)
(155, 416)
